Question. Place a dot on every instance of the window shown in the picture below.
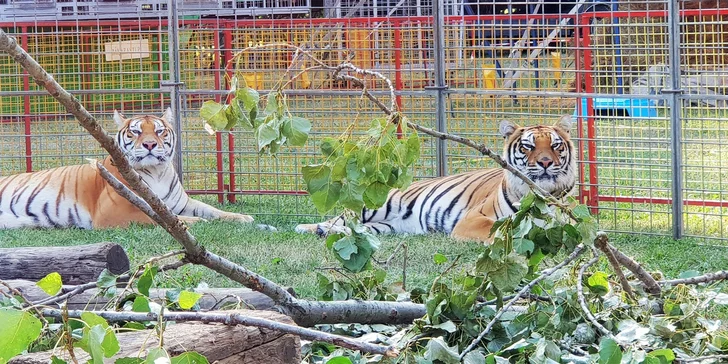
(227, 4)
(66, 10)
(83, 10)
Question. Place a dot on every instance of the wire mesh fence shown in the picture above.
(648, 88)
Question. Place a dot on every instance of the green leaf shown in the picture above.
(609, 352)
(582, 212)
(689, 274)
(266, 134)
(214, 115)
(296, 129)
(486, 264)
(129, 361)
(91, 319)
(50, 284)
(110, 344)
(190, 357)
(598, 283)
(273, 106)
(106, 279)
(141, 304)
(664, 354)
(56, 360)
(375, 195)
(346, 247)
(510, 273)
(413, 148)
(352, 195)
(146, 280)
(324, 192)
(339, 360)
(154, 354)
(439, 258)
(329, 146)
(19, 329)
(523, 246)
(527, 201)
(437, 349)
(188, 299)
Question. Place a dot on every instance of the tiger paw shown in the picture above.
(238, 217)
(190, 219)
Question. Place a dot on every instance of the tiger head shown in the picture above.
(146, 140)
(544, 153)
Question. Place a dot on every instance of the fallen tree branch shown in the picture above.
(706, 278)
(602, 243)
(582, 299)
(644, 276)
(235, 319)
(303, 312)
(702, 358)
(578, 250)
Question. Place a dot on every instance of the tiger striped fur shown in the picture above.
(466, 205)
(77, 196)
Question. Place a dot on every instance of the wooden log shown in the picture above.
(217, 342)
(76, 264)
(212, 298)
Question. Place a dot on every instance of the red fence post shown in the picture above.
(398, 72)
(583, 190)
(228, 44)
(218, 135)
(26, 106)
(591, 130)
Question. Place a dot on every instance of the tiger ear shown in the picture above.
(507, 128)
(119, 119)
(168, 116)
(564, 123)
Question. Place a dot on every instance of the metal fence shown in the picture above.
(646, 81)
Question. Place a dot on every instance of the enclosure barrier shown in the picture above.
(610, 69)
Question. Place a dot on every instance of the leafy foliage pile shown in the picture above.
(92, 333)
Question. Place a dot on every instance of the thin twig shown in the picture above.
(602, 242)
(15, 291)
(404, 268)
(582, 299)
(706, 278)
(526, 289)
(237, 319)
(437, 279)
(91, 285)
(528, 296)
(386, 262)
(573, 348)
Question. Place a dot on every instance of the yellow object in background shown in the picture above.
(489, 77)
(556, 60)
(254, 81)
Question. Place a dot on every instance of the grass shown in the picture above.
(301, 256)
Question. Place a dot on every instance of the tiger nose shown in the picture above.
(545, 162)
(149, 145)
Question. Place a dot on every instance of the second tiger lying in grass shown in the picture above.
(466, 205)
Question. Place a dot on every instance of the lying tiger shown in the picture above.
(77, 196)
(466, 205)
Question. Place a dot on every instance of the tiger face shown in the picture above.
(543, 153)
(146, 140)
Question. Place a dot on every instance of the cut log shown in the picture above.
(76, 264)
(217, 342)
(212, 298)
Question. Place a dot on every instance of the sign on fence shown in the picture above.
(128, 49)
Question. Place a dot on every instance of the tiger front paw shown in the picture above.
(239, 218)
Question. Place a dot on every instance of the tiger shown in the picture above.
(78, 196)
(466, 205)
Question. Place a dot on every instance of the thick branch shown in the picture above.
(523, 292)
(706, 278)
(602, 243)
(645, 277)
(236, 319)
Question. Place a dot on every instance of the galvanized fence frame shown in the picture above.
(612, 184)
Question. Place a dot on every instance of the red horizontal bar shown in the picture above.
(247, 192)
(87, 23)
(662, 201)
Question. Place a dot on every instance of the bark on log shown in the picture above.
(217, 342)
(76, 264)
(213, 298)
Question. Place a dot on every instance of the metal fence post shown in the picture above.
(440, 86)
(675, 89)
(175, 81)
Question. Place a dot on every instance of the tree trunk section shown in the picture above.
(76, 264)
(212, 298)
(217, 342)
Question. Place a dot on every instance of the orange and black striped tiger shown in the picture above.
(466, 205)
(77, 196)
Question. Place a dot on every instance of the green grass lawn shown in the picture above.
(300, 256)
